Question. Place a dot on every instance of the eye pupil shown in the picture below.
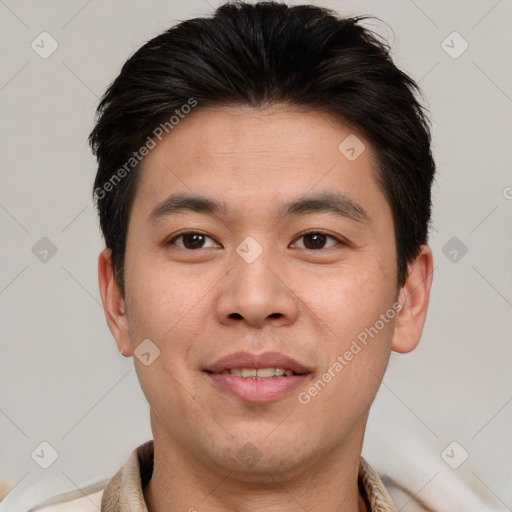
(315, 240)
(192, 240)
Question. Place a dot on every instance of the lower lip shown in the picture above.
(257, 391)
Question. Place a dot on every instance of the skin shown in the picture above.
(197, 305)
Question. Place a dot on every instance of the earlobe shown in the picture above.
(113, 303)
(413, 297)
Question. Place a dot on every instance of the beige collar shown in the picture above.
(124, 493)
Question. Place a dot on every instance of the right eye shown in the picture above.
(190, 240)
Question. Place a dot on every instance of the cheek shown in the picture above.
(169, 306)
(348, 299)
(166, 310)
(357, 340)
(358, 358)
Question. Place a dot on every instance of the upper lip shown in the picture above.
(256, 361)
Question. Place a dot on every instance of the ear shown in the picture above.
(113, 303)
(413, 297)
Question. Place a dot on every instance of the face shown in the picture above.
(286, 262)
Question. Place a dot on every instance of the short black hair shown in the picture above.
(258, 55)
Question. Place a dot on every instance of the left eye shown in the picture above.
(315, 240)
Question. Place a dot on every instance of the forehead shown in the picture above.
(259, 156)
(244, 132)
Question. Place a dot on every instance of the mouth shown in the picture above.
(244, 364)
(260, 373)
(257, 378)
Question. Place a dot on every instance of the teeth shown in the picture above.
(262, 373)
(266, 372)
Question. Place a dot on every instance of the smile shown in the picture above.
(260, 373)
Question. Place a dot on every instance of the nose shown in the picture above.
(257, 292)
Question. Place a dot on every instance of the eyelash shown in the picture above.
(313, 232)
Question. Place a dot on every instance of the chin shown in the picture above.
(260, 458)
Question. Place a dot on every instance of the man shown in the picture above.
(264, 193)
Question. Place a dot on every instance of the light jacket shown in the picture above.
(124, 491)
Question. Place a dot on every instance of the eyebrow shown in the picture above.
(327, 202)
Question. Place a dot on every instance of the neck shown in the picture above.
(182, 482)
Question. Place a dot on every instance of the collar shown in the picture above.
(124, 493)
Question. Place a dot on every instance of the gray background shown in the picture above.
(62, 379)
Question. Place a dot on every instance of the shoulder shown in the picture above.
(50, 495)
(75, 502)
